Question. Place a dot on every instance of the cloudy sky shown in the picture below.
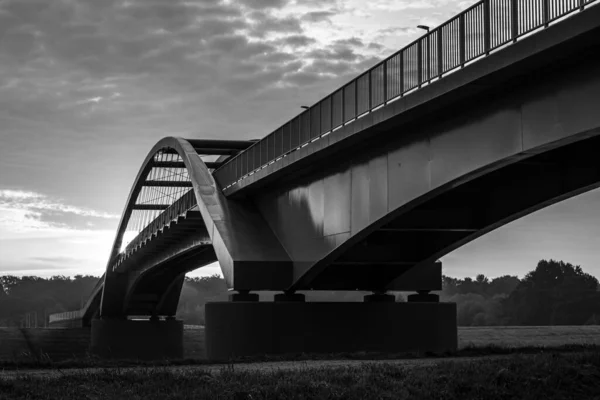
(88, 86)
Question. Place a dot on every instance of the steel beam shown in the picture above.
(168, 183)
(150, 206)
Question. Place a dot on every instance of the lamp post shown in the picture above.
(426, 28)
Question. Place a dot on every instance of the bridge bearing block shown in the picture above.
(289, 297)
(244, 296)
(379, 298)
(423, 297)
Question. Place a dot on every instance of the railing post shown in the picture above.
(355, 98)
(428, 57)
(440, 51)
(331, 104)
(487, 27)
(581, 4)
(514, 19)
(343, 106)
(385, 89)
(546, 12)
(370, 84)
(401, 73)
(420, 62)
(462, 39)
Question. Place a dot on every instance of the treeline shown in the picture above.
(40, 297)
(555, 293)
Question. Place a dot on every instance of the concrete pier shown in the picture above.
(143, 340)
(237, 329)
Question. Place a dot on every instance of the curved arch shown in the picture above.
(248, 252)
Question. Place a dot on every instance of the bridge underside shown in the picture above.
(442, 223)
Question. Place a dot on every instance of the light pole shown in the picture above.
(426, 28)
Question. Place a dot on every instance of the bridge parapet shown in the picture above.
(179, 208)
(65, 317)
(471, 35)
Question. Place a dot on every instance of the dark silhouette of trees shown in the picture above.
(555, 293)
(478, 301)
(31, 294)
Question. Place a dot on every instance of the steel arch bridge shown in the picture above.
(171, 233)
(368, 188)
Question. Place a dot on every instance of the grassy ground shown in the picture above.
(520, 336)
(543, 376)
(472, 342)
(497, 336)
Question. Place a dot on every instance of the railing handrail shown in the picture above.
(481, 28)
(179, 207)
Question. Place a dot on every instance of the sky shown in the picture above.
(87, 87)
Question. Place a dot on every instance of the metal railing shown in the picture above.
(474, 33)
(178, 208)
(67, 315)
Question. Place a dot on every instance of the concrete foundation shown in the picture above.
(237, 329)
(144, 340)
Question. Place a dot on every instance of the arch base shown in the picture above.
(258, 328)
(137, 340)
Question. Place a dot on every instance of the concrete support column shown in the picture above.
(143, 340)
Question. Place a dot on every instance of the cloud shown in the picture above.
(23, 212)
(318, 16)
(36, 202)
(56, 259)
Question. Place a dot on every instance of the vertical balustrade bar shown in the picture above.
(487, 37)
(546, 12)
(344, 106)
(420, 62)
(401, 73)
(514, 19)
(370, 90)
(385, 80)
(462, 39)
(440, 53)
(356, 98)
(428, 57)
(331, 108)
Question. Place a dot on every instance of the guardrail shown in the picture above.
(482, 28)
(179, 207)
(67, 315)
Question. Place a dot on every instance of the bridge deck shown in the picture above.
(468, 51)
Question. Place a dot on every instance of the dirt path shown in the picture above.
(264, 366)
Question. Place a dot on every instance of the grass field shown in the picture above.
(544, 376)
(526, 336)
(500, 336)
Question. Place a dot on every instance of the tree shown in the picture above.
(554, 293)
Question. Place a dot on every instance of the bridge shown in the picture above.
(488, 117)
